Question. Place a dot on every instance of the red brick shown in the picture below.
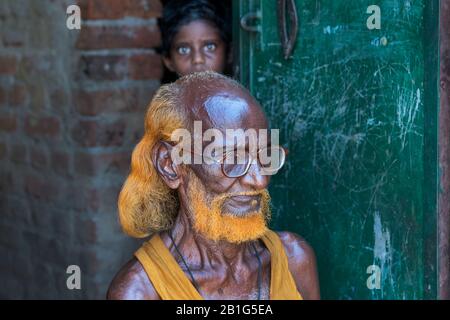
(8, 65)
(93, 199)
(112, 37)
(38, 158)
(45, 126)
(100, 164)
(145, 66)
(86, 229)
(45, 248)
(18, 153)
(37, 91)
(91, 103)
(60, 162)
(91, 264)
(45, 280)
(17, 95)
(41, 187)
(116, 9)
(83, 197)
(9, 237)
(2, 150)
(7, 184)
(15, 208)
(40, 65)
(59, 99)
(111, 67)
(8, 123)
(2, 96)
(48, 220)
(92, 133)
(13, 38)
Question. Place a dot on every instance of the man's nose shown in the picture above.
(255, 178)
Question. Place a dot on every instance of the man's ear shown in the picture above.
(166, 168)
(168, 63)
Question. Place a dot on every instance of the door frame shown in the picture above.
(444, 152)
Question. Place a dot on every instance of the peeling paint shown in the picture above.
(334, 30)
(407, 109)
(382, 252)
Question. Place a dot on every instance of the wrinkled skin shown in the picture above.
(223, 270)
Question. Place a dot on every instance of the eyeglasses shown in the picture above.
(236, 163)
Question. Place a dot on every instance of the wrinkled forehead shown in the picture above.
(224, 107)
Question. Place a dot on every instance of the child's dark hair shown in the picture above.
(177, 13)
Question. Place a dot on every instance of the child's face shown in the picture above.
(197, 47)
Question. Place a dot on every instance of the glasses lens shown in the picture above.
(235, 163)
(271, 159)
(234, 171)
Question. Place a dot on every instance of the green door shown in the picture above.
(357, 109)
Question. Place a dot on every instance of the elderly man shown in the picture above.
(207, 220)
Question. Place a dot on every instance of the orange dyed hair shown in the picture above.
(146, 204)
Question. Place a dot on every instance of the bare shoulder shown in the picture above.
(132, 283)
(302, 264)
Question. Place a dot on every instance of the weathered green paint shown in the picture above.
(357, 109)
(430, 150)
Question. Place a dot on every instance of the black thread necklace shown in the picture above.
(259, 280)
(184, 262)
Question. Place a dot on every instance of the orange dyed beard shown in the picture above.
(215, 225)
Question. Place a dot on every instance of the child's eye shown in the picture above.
(183, 50)
(210, 47)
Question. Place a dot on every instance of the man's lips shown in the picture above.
(240, 205)
(245, 200)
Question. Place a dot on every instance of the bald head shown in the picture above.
(219, 102)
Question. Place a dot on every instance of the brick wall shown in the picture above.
(71, 110)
